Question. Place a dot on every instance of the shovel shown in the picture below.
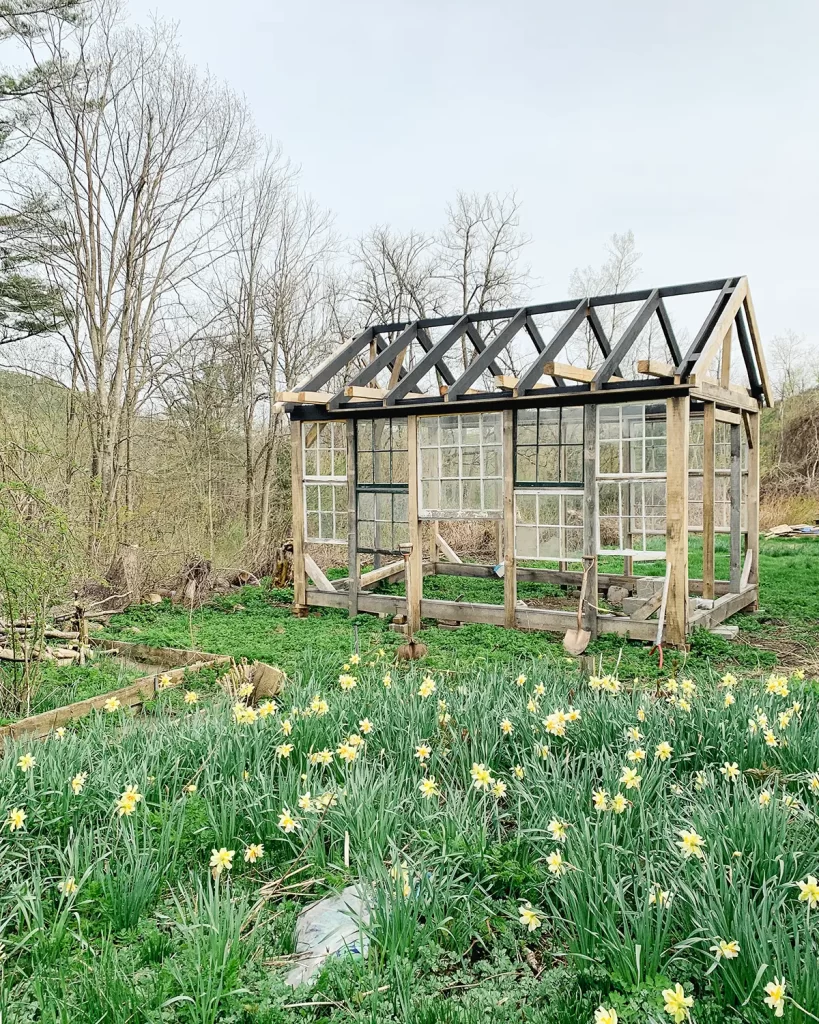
(577, 640)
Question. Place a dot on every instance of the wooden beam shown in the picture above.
(725, 416)
(647, 608)
(655, 368)
(590, 516)
(604, 372)
(297, 499)
(445, 549)
(752, 500)
(746, 569)
(377, 604)
(376, 394)
(736, 507)
(303, 397)
(708, 478)
(352, 523)
(384, 572)
(725, 360)
(510, 580)
(414, 583)
(575, 373)
(759, 352)
(724, 608)
(508, 383)
(705, 391)
(677, 520)
(316, 575)
(726, 319)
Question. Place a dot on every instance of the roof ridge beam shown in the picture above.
(627, 339)
(486, 359)
(534, 371)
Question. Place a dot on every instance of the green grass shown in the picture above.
(58, 686)
(149, 936)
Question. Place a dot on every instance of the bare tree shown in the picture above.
(126, 158)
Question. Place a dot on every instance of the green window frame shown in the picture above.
(382, 484)
(549, 447)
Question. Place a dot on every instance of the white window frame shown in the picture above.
(336, 482)
(562, 526)
(482, 478)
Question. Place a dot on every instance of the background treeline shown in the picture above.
(163, 274)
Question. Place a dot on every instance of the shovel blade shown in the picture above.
(576, 641)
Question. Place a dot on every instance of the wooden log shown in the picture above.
(724, 608)
(575, 373)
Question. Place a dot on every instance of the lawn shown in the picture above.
(533, 846)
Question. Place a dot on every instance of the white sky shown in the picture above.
(692, 123)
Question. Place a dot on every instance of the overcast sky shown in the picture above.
(692, 123)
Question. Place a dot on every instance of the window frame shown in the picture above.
(392, 488)
(562, 526)
(461, 513)
(336, 481)
(560, 445)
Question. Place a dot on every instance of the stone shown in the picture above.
(616, 595)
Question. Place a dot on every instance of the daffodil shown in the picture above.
(428, 788)
(634, 734)
(221, 860)
(287, 823)
(243, 714)
(78, 782)
(659, 897)
(729, 950)
(521, 680)
(427, 687)
(641, 715)
(635, 755)
(809, 892)
(663, 751)
(481, 776)
(347, 752)
(775, 996)
(530, 918)
(365, 726)
(163, 682)
(253, 852)
(506, 727)
(355, 659)
(600, 799)
(618, 803)
(764, 798)
(127, 802)
(730, 771)
(59, 733)
(112, 704)
(16, 819)
(729, 699)
(26, 762)
(346, 681)
(630, 779)
(518, 771)
(603, 1015)
(677, 1003)
(498, 789)
(422, 752)
(68, 886)
(691, 843)
(387, 681)
(557, 830)
(191, 697)
(284, 750)
(555, 863)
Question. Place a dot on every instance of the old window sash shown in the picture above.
(324, 451)
(549, 447)
(631, 480)
(382, 462)
(722, 478)
(549, 524)
(461, 466)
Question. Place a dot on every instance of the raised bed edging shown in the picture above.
(130, 696)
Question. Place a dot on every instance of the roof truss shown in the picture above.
(389, 345)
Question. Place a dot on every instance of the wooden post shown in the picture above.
(676, 520)
(725, 361)
(708, 468)
(353, 567)
(736, 508)
(297, 488)
(510, 572)
(414, 581)
(590, 515)
(752, 499)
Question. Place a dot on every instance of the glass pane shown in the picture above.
(573, 510)
(381, 435)
(526, 464)
(656, 455)
(471, 495)
(572, 469)
(450, 495)
(383, 508)
(364, 434)
(400, 508)
(633, 452)
(573, 542)
(470, 462)
(400, 534)
(470, 428)
(326, 525)
(491, 427)
(450, 465)
(366, 534)
(633, 424)
(609, 499)
(429, 463)
(339, 436)
(492, 495)
(526, 541)
(429, 495)
(428, 431)
(527, 426)
(310, 462)
(609, 456)
(608, 421)
(313, 525)
(310, 435)
(311, 498)
(339, 462)
(549, 542)
(492, 461)
(381, 468)
(547, 464)
(385, 540)
(548, 510)
(365, 467)
(449, 429)
(325, 493)
(341, 526)
(399, 434)
(325, 435)
(572, 426)
(549, 426)
(525, 508)
(325, 462)
(366, 506)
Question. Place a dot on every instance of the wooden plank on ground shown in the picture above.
(369, 579)
(445, 549)
(647, 608)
